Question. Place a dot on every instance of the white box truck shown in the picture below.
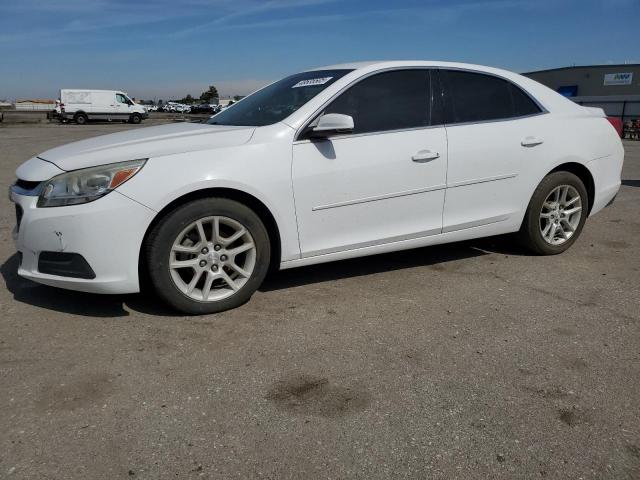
(111, 105)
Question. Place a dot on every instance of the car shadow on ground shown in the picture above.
(77, 303)
(93, 305)
(362, 266)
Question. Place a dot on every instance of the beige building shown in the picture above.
(35, 104)
(614, 88)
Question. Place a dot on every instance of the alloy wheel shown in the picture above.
(560, 214)
(212, 258)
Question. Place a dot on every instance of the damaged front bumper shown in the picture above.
(106, 234)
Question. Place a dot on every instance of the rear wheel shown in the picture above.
(556, 214)
(81, 118)
(208, 255)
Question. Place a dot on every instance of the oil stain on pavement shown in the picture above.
(310, 395)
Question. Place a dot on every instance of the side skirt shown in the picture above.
(497, 228)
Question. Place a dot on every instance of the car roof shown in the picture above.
(382, 64)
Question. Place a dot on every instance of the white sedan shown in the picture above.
(327, 164)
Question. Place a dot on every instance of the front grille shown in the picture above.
(19, 213)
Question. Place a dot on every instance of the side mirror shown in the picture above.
(332, 123)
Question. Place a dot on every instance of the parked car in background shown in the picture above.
(379, 156)
(631, 129)
(82, 106)
(204, 108)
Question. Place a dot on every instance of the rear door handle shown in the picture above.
(424, 156)
(531, 141)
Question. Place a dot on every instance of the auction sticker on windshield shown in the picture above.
(312, 82)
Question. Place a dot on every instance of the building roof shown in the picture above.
(36, 100)
(606, 98)
(617, 65)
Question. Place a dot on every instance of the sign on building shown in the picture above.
(618, 78)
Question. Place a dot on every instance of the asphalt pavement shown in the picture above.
(470, 360)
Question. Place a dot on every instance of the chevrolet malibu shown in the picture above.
(327, 164)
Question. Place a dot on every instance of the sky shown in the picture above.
(162, 49)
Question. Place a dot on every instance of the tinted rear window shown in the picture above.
(476, 97)
(522, 103)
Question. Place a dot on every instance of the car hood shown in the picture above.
(139, 143)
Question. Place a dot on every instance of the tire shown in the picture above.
(177, 231)
(81, 118)
(135, 118)
(542, 214)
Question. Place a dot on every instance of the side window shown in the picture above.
(476, 97)
(522, 103)
(392, 100)
(121, 98)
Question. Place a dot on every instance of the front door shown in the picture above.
(382, 183)
(122, 108)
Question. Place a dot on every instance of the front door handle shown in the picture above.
(424, 156)
(531, 141)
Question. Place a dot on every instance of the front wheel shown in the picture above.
(556, 214)
(135, 118)
(208, 255)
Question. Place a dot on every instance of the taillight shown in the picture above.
(617, 124)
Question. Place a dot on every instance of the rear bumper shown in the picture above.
(605, 197)
(606, 172)
(107, 233)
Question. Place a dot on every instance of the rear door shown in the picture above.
(383, 182)
(494, 129)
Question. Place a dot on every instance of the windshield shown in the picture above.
(277, 101)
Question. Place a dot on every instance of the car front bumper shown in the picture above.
(107, 233)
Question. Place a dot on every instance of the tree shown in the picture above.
(209, 94)
(188, 99)
(238, 97)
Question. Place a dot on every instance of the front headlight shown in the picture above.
(88, 184)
